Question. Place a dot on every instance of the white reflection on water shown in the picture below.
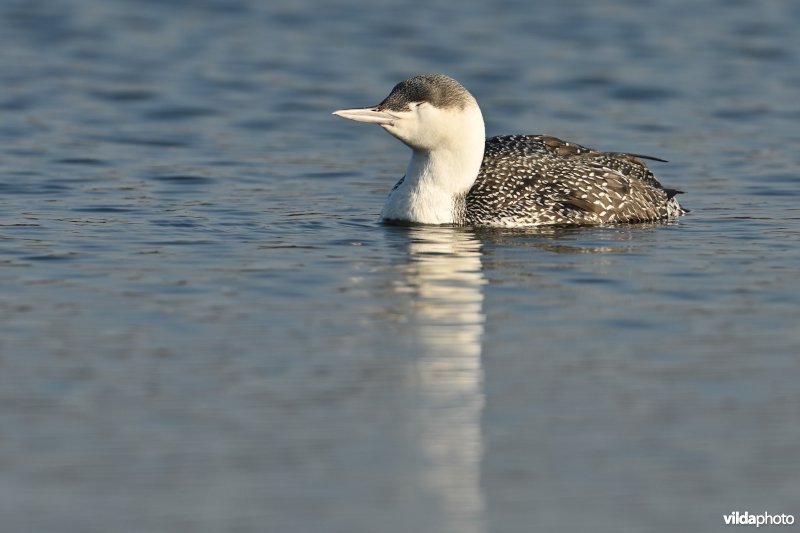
(445, 276)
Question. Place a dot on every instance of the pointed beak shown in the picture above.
(369, 115)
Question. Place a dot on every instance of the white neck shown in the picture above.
(438, 179)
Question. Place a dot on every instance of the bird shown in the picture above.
(458, 177)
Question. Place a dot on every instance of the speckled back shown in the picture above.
(540, 180)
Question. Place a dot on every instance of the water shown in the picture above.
(203, 327)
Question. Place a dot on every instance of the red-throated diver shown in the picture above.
(457, 176)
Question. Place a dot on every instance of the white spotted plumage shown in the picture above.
(457, 177)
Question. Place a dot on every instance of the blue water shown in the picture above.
(204, 327)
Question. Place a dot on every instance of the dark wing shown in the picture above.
(546, 180)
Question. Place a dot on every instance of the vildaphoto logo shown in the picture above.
(764, 519)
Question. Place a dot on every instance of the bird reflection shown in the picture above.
(445, 279)
(439, 300)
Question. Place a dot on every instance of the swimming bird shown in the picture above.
(457, 176)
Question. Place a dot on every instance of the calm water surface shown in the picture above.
(203, 326)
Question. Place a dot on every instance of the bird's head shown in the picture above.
(426, 112)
